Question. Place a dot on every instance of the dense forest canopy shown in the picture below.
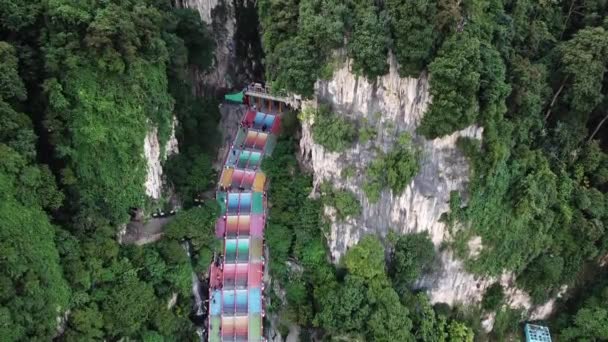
(81, 83)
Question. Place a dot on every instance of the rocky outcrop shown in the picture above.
(155, 156)
(233, 26)
(219, 15)
(393, 105)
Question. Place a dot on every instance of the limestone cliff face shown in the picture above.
(219, 16)
(233, 26)
(393, 105)
(155, 155)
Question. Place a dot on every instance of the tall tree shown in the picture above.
(455, 75)
(584, 58)
(413, 32)
(369, 43)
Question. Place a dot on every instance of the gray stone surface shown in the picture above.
(401, 103)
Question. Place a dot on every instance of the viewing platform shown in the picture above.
(256, 94)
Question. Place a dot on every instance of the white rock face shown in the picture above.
(154, 157)
(394, 105)
(172, 146)
(204, 7)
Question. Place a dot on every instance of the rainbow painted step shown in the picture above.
(236, 283)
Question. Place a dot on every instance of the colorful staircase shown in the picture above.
(236, 288)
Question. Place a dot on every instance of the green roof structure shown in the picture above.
(236, 97)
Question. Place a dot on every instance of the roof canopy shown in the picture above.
(236, 97)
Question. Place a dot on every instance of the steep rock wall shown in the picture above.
(393, 105)
(155, 156)
(233, 25)
(219, 15)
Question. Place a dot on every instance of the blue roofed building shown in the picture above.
(537, 333)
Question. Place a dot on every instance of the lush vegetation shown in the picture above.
(332, 131)
(81, 83)
(493, 297)
(585, 317)
(538, 170)
(394, 169)
(413, 30)
(32, 286)
(413, 255)
(367, 132)
(299, 36)
(343, 201)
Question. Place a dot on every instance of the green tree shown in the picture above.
(197, 226)
(401, 164)
(18, 15)
(493, 297)
(584, 58)
(366, 259)
(332, 131)
(368, 46)
(127, 307)
(394, 169)
(190, 175)
(33, 291)
(459, 332)
(344, 308)
(85, 323)
(389, 319)
(344, 201)
(427, 326)
(545, 270)
(294, 63)
(414, 34)
(277, 19)
(590, 324)
(413, 254)
(455, 81)
(11, 85)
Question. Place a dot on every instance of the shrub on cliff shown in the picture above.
(413, 255)
(394, 170)
(332, 131)
(344, 201)
(493, 297)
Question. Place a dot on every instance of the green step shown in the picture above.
(230, 250)
(220, 197)
(258, 203)
(270, 144)
(243, 246)
(214, 332)
(244, 158)
(255, 328)
(255, 158)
